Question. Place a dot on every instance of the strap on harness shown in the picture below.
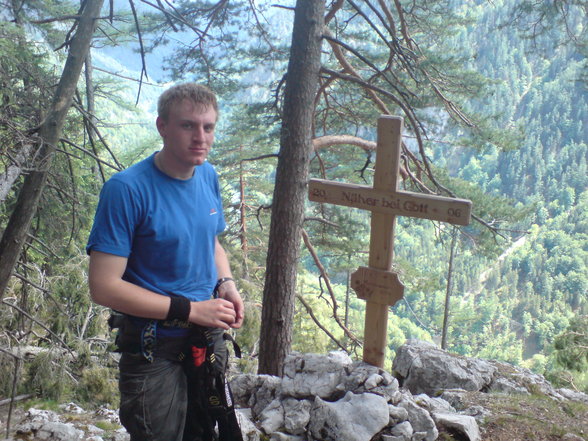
(206, 374)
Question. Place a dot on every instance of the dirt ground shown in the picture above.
(513, 418)
(529, 418)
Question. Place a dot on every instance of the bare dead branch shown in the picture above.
(141, 49)
(15, 356)
(347, 67)
(338, 4)
(54, 19)
(18, 397)
(87, 152)
(258, 158)
(322, 220)
(330, 140)
(319, 324)
(41, 324)
(325, 276)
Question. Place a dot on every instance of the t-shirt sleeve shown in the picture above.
(115, 220)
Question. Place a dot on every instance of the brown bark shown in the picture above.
(50, 131)
(290, 187)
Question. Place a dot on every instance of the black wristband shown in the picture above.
(219, 282)
(179, 309)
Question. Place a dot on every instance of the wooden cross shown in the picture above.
(378, 284)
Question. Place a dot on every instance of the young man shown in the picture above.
(155, 257)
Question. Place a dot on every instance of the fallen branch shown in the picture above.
(15, 399)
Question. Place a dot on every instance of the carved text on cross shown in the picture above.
(378, 285)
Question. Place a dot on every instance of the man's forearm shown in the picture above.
(109, 289)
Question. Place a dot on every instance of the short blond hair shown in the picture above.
(200, 95)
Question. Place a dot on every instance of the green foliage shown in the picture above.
(571, 346)
(48, 376)
(307, 336)
(98, 385)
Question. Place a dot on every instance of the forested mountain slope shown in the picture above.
(529, 296)
(520, 282)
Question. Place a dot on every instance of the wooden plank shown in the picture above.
(388, 153)
(375, 334)
(401, 203)
(377, 286)
(383, 226)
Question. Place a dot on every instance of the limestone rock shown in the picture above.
(312, 375)
(404, 430)
(420, 420)
(352, 418)
(571, 437)
(463, 424)
(507, 386)
(122, 435)
(397, 414)
(454, 397)
(573, 395)
(268, 389)
(434, 404)
(72, 408)
(424, 368)
(512, 379)
(478, 412)
(44, 425)
(296, 415)
(108, 414)
(93, 430)
(393, 438)
(364, 377)
(249, 430)
(272, 417)
(279, 436)
(244, 385)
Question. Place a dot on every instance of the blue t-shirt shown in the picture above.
(166, 228)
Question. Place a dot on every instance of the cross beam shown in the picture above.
(378, 284)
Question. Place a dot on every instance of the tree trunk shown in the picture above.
(50, 133)
(449, 290)
(290, 187)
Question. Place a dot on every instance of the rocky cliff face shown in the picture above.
(331, 397)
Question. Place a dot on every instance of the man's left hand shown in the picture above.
(229, 291)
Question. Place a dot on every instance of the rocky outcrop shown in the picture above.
(45, 425)
(331, 397)
(423, 368)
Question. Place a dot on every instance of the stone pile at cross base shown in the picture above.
(332, 398)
